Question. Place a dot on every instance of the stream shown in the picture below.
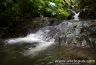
(71, 39)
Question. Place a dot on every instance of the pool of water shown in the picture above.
(13, 55)
(52, 53)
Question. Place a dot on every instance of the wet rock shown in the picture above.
(68, 33)
(73, 33)
(87, 14)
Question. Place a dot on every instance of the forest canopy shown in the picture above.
(21, 9)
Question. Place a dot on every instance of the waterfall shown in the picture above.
(47, 36)
(39, 37)
(76, 15)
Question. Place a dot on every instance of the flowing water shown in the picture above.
(49, 35)
(47, 45)
(76, 14)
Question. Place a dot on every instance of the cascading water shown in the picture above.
(39, 37)
(46, 36)
(65, 33)
(76, 15)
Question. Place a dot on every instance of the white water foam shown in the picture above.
(42, 46)
(76, 15)
(31, 38)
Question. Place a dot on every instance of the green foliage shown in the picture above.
(81, 4)
(72, 4)
(33, 8)
(88, 4)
